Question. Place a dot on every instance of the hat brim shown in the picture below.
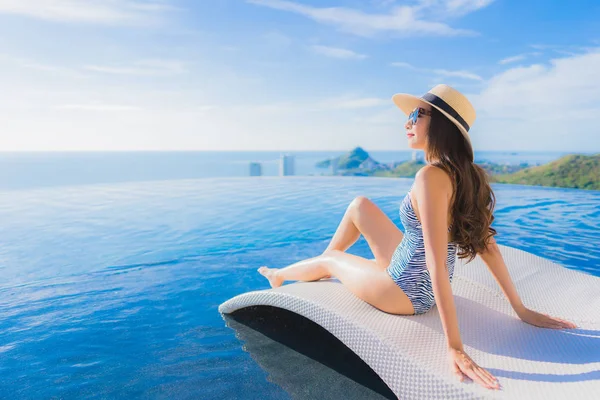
(408, 102)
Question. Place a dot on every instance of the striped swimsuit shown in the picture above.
(408, 268)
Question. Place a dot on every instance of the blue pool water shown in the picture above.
(111, 290)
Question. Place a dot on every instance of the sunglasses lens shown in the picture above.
(413, 116)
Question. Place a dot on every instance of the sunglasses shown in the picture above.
(417, 112)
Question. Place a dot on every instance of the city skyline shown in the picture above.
(275, 75)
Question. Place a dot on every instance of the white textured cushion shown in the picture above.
(408, 352)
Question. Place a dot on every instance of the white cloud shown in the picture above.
(461, 7)
(519, 57)
(389, 117)
(98, 107)
(142, 68)
(443, 72)
(149, 67)
(566, 83)
(312, 106)
(453, 7)
(402, 20)
(403, 65)
(364, 103)
(569, 50)
(274, 109)
(458, 74)
(336, 52)
(554, 105)
(277, 39)
(55, 70)
(383, 3)
(544, 46)
(207, 108)
(512, 59)
(353, 103)
(91, 11)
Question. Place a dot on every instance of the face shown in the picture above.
(417, 134)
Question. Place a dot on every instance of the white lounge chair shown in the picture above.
(408, 352)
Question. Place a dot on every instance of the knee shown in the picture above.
(328, 254)
(328, 263)
(359, 203)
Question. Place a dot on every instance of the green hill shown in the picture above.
(350, 160)
(572, 171)
(407, 169)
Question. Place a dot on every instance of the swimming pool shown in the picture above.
(112, 290)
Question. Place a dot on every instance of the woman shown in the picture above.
(447, 212)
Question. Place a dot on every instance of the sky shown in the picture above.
(104, 75)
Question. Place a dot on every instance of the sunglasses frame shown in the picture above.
(416, 113)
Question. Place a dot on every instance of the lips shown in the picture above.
(410, 135)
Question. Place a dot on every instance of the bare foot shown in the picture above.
(271, 274)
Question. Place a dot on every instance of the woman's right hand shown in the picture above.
(463, 365)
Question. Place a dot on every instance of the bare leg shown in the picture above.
(364, 217)
(311, 269)
(380, 232)
(347, 233)
(363, 277)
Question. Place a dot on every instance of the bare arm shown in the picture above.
(495, 263)
(433, 196)
(492, 257)
(433, 199)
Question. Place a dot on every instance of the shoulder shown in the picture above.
(434, 180)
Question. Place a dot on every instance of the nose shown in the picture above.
(408, 125)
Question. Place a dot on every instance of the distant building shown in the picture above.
(286, 165)
(333, 165)
(255, 169)
(417, 156)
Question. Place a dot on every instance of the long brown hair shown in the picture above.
(473, 199)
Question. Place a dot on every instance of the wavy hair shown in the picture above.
(473, 199)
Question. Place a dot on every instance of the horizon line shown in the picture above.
(267, 150)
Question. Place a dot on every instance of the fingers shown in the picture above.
(566, 324)
(552, 324)
(485, 380)
(470, 372)
(548, 321)
(458, 373)
(490, 378)
(479, 375)
(463, 365)
(556, 325)
(559, 323)
(486, 377)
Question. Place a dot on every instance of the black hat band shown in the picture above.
(438, 102)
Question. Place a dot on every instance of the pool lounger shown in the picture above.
(408, 352)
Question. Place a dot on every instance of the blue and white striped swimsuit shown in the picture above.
(408, 268)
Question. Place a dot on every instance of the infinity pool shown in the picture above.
(111, 291)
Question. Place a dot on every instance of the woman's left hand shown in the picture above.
(544, 320)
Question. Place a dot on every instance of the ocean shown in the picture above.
(39, 169)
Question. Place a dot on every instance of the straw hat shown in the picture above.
(448, 101)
